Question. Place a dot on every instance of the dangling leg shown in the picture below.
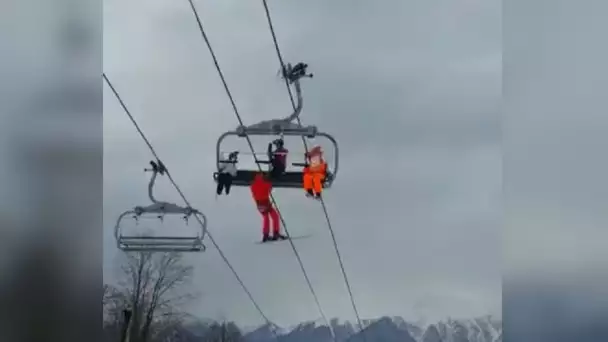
(220, 184)
(228, 183)
(277, 170)
(318, 184)
(273, 173)
(265, 226)
(276, 225)
(308, 182)
(281, 168)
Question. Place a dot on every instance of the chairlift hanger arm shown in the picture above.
(151, 187)
(162, 207)
(293, 75)
(300, 103)
(157, 167)
(285, 126)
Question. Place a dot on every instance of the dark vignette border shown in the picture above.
(52, 155)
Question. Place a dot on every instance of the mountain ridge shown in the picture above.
(386, 329)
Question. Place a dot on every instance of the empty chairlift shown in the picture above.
(164, 242)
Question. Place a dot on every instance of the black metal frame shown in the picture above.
(159, 208)
(282, 127)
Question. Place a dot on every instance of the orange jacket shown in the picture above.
(319, 168)
(260, 188)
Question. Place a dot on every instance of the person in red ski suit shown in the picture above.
(260, 190)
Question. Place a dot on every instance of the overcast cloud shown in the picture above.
(555, 127)
(412, 92)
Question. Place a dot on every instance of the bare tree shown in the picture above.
(114, 302)
(150, 289)
(223, 332)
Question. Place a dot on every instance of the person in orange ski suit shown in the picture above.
(260, 190)
(314, 172)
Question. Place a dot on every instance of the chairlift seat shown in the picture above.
(289, 180)
(161, 243)
(151, 243)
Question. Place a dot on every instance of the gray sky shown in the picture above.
(412, 92)
(555, 236)
(556, 137)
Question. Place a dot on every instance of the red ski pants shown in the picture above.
(268, 213)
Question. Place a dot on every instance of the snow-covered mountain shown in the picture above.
(387, 329)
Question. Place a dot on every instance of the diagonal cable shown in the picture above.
(143, 136)
(278, 50)
(240, 120)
